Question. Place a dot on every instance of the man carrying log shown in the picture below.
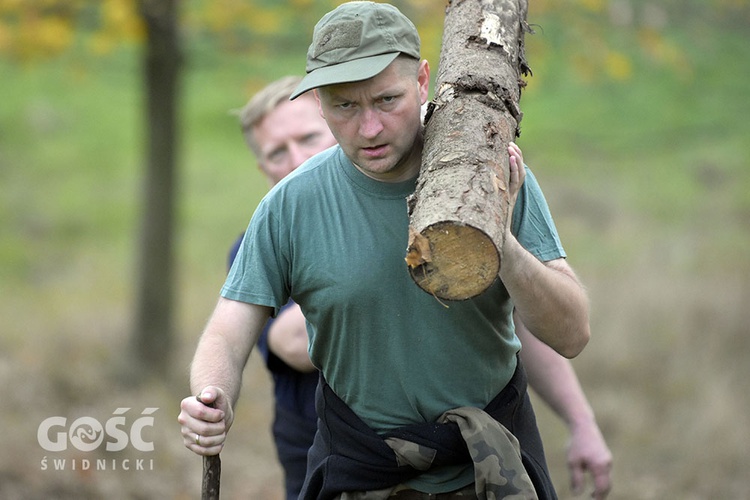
(418, 397)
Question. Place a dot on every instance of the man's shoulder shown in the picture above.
(317, 164)
(306, 181)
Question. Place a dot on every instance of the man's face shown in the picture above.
(290, 134)
(377, 121)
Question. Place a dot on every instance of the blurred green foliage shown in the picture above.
(650, 96)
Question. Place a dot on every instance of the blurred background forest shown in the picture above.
(635, 123)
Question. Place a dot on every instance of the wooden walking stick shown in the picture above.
(211, 473)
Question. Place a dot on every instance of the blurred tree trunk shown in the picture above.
(155, 297)
(458, 213)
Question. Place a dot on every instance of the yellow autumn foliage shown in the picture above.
(618, 66)
(587, 40)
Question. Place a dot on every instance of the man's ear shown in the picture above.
(317, 99)
(423, 80)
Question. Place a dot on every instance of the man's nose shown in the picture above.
(370, 124)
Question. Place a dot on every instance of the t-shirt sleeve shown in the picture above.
(233, 251)
(532, 222)
(257, 275)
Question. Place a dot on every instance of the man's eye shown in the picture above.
(276, 155)
(310, 139)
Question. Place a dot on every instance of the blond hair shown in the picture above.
(262, 103)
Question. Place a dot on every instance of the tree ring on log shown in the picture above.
(448, 271)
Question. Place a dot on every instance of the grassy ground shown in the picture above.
(647, 179)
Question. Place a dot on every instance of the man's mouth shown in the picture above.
(375, 151)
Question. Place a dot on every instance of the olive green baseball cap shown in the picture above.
(356, 41)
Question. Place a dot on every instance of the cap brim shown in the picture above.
(346, 72)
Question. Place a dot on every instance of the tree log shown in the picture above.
(459, 210)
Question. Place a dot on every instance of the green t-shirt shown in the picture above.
(334, 240)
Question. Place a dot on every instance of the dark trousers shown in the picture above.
(293, 435)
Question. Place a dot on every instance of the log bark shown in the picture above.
(459, 210)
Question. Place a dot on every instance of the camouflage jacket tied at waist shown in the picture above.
(495, 452)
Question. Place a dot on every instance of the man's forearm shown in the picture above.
(225, 346)
(552, 377)
(214, 364)
(548, 298)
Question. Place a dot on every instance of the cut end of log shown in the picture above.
(452, 261)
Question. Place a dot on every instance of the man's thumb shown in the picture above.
(208, 396)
